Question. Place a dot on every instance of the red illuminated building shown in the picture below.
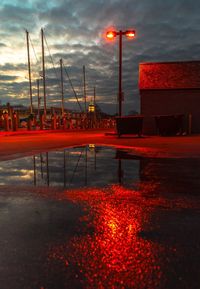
(170, 88)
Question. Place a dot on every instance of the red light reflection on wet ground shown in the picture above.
(111, 253)
(113, 237)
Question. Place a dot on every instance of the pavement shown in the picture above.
(15, 144)
(116, 237)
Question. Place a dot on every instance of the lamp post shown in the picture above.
(111, 35)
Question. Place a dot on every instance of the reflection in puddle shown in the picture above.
(75, 167)
(94, 217)
(92, 166)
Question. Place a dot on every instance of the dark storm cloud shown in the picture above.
(13, 67)
(15, 18)
(7, 78)
(166, 31)
(2, 45)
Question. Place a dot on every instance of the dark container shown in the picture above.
(169, 124)
(129, 125)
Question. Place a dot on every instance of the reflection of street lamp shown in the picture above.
(111, 35)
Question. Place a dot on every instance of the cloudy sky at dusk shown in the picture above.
(166, 31)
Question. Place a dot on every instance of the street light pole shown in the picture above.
(43, 74)
(111, 35)
(120, 74)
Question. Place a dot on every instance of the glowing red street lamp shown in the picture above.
(111, 35)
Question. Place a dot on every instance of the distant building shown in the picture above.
(170, 88)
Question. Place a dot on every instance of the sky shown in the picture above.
(75, 31)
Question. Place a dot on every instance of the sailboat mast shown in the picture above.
(29, 72)
(94, 95)
(38, 95)
(95, 116)
(84, 86)
(62, 87)
(43, 74)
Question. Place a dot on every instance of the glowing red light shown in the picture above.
(115, 252)
(130, 33)
(111, 34)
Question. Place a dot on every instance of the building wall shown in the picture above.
(161, 102)
(170, 88)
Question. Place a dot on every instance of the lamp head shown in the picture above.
(111, 35)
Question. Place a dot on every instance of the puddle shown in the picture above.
(93, 166)
(74, 167)
(99, 217)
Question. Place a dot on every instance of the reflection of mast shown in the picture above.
(120, 171)
(74, 171)
(29, 70)
(41, 167)
(95, 159)
(47, 163)
(92, 149)
(43, 73)
(34, 167)
(86, 166)
(64, 169)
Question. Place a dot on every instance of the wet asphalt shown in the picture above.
(131, 233)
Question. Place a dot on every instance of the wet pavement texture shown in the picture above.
(99, 217)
